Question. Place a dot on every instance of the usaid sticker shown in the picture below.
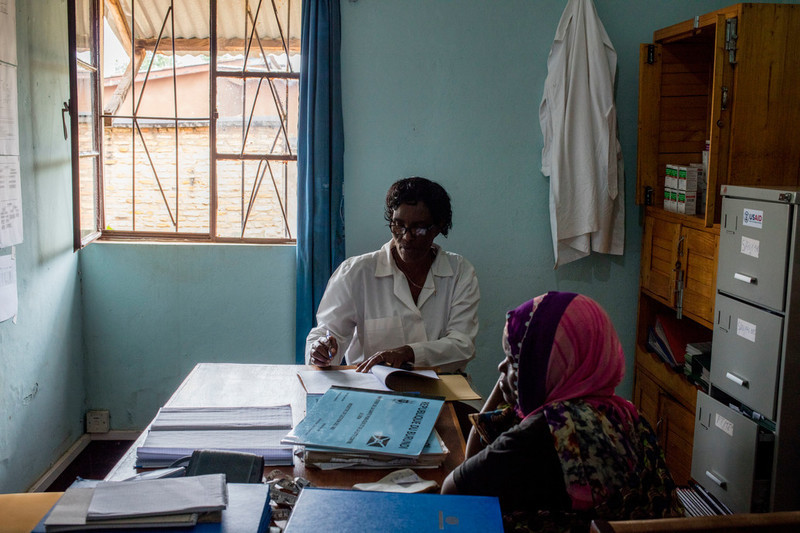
(723, 423)
(750, 246)
(753, 218)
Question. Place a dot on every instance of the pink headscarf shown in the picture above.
(566, 348)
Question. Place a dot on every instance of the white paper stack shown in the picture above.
(172, 502)
(176, 432)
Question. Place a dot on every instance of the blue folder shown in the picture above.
(248, 510)
(347, 511)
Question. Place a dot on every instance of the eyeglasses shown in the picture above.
(416, 231)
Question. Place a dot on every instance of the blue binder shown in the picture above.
(346, 511)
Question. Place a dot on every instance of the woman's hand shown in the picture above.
(323, 350)
(394, 358)
(507, 383)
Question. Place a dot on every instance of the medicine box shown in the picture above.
(688, 177)
(687, 202)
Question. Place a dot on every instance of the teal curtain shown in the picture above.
(320, 168)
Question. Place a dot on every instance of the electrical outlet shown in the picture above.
(97, 421)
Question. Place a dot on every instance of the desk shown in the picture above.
(232, 385)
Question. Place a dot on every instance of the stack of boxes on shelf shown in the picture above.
(685, 187)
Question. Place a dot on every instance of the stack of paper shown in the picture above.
(178, 431)
(362, 428)
(172, 502)
(248, 510)
(433, 455)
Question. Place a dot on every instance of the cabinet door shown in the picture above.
(645, 397)
(699, 265)
(672, 422)
(677, 436)
(647, 171)
(659, 255)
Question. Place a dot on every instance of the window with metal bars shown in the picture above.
(183, 118)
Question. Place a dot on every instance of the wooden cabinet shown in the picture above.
(732, 77)
(679, 264)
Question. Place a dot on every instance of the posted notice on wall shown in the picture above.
(10, 202)
(9, 120)
(8, 286)
(8, 32)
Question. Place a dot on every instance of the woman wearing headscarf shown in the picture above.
(566, 449)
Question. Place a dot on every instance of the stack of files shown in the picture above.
(354, 511)
(386, 425)
(248, 510)
(698, 363)
(669, 338)
(433, 455)
(155, 503)
(697, 501)
(176, 432)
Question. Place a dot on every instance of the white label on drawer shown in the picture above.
(753, 218)
(723, 423)
(746, 330)
(750, 246)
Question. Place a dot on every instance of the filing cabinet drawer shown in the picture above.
(753, 251)
(726, 450)
(746, 356)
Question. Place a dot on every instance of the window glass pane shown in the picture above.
(86, 109)
(85, 31)
(276, 32)
(156, 200)
(88, 178)
(271, 215)
(261, 114)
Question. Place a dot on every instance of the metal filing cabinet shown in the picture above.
(747, 429)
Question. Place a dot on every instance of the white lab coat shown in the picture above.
(368, 307)
(581, 151)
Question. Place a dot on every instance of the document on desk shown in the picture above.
(155, 503)
(368, 421)
(217, 418)
(178, 431)
(451, 386)
(433, 455)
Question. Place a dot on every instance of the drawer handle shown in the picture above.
(745, 278)
(719, 481)
(736, 379)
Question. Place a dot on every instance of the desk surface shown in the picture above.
(232, 385)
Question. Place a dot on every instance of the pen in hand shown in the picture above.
(328, 337)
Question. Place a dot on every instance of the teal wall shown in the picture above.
(442, 88)
(42, 384)
(152, 311)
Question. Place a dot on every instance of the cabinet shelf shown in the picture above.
(730, 77)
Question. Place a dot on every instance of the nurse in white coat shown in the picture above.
(409, 303)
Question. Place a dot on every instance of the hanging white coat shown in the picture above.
(581, 151)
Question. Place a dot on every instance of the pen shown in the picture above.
(328, 342)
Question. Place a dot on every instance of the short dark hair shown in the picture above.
(416, 189)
